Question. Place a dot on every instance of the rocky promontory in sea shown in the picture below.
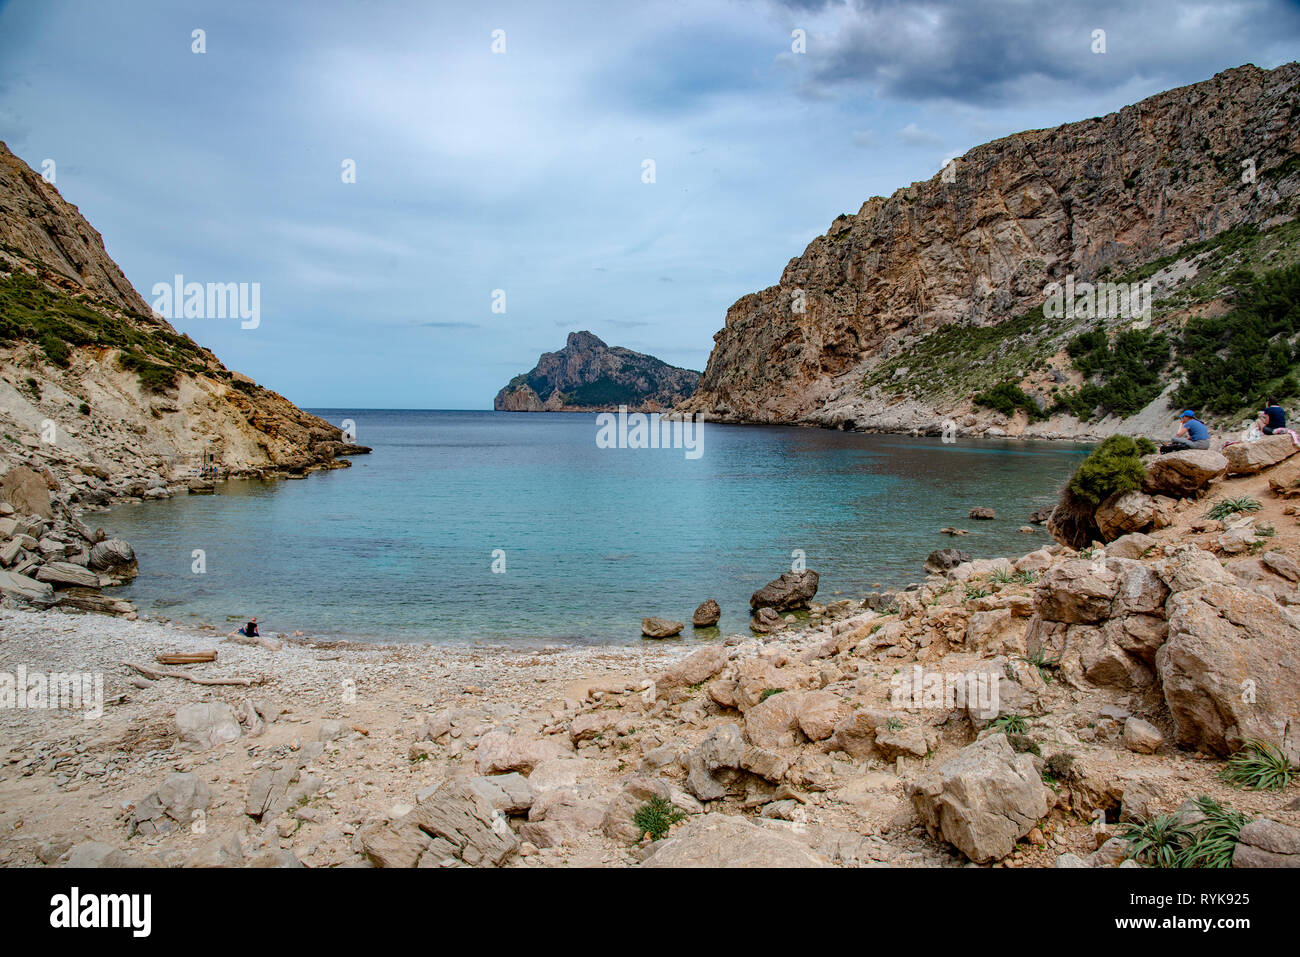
(589, 376)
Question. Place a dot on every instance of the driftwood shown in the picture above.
(155, 673)
(268, 643)
(186, 657)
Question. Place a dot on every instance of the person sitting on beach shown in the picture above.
(1272, 418)
(1192, 434)
(250, 630)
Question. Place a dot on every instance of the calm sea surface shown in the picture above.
(402, 545)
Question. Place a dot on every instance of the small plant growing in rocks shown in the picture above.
(656, 816)
(1158, 841)
(1216, 836)
(1059, 767)
(1044, 662)
(1010, 724)
(768, 692)
(1226, 507)
(1259, 766)
(976, 591)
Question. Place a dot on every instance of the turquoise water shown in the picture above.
(401, 545)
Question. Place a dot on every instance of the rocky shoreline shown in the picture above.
(829, 741)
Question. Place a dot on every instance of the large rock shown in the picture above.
(66, 573)
(774, 722)
(500, 752)
(1285, 481)
(1184, 473)
(707, 615)
(983, 799)
(1247, 458)
(791, 590)
(722, 750)
(26, 589)
(27, 491)
(1077, 592)
(1265, 843)
(1124, 513)
(725, 840)
(695, 668)
(463, 824)
(1231, 670)
(660, 627)
(115, 557)
(942, 559)
(207, 725)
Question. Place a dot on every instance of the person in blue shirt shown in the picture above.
(1192, 434)
(1274, 417)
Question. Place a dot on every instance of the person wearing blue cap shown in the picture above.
(1192, 434)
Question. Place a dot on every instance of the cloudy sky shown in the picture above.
(522, 170)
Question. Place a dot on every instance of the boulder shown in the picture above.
(1125, 512)
(726, 840)
(1247, 458)
(115, 557)
(766, 621)
(462, 824)
(983, 799)
(27, 491)
(818, 714)
(1181, 474)
(1142, 736)
(1285, 482)
(707, 615)
(660, 627)
(206, 725)
(1132, 546)
(26, 589)
(1265, 843)
(697, 667)
(67, 573)
(774, 722)
(791, 590)
(94, 854)
(1231, 670)
(1076, 592)
(983, 512)
(500, 752)
(942, 559)
(722, 750)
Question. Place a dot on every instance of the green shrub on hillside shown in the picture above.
(1231, 362)
(1007, 397)
(1123, 376)
(1114, 466)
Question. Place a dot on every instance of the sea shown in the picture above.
(532, 529)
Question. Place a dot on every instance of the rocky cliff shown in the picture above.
(848, 337)
(589, 376)
(101, 393)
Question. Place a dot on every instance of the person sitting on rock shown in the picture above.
(1272, 418)
(250, 630)
(1192, 434)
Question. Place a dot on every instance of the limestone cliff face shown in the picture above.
(587, 375)
(105, 393)
(1090, 199)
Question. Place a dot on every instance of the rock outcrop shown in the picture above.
(589, 376)
(1019, 212)
(101, 391)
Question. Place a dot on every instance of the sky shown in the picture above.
(502, 148)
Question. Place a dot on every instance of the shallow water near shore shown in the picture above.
(402, 545)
